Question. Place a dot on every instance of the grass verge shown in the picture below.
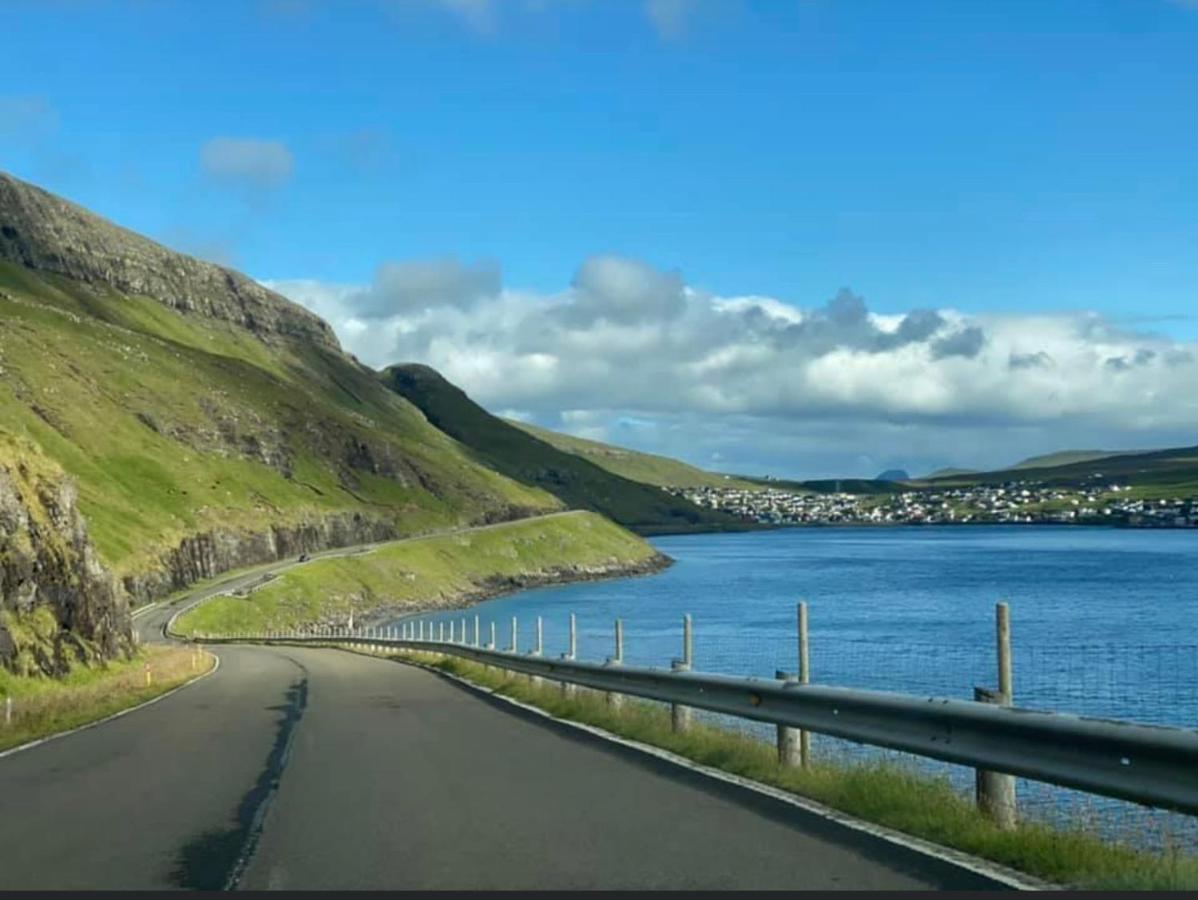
(46, 706)
(885, 793)
(434, 571)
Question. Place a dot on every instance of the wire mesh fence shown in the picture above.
(1148, 683)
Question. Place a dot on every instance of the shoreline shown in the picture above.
(505, 587)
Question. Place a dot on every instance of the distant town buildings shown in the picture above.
(1013, 502)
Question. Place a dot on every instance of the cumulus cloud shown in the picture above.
(627, 342)
(406, 288)
(247, 162)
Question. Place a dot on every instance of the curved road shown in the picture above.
(303, 768)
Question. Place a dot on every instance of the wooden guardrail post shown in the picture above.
(995, 790)
(569, 690)
(794, 744)
(680, 716)
(535, 680)
(616, 700)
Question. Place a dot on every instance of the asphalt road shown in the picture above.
(308, 768)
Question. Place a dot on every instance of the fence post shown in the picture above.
(680, 716)
(515, 642)
(535, 680)
(462, 632)
(476, 632)
(794, 744)
(804, 678)
(421, 624)
(995, 790)
(491, 645)
(615, 700)
(7, 711)
(441, 631)
(569, 690)
(452, 628)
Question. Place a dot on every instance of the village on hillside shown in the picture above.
(1013, 502)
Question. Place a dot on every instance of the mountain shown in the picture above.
(950, 472)
(647, 468)
(1154, 473)
(576, 481)
(164, 419)
(893, 475)
(1069, 457)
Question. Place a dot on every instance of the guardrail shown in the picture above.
(1151, 765)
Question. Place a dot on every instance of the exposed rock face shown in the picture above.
(41, 231)
(205, 555)
(57, 603)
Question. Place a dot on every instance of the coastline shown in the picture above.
(506, 586)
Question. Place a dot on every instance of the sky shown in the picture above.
(808, 239)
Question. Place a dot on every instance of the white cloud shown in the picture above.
(749, 377)
(247, 162)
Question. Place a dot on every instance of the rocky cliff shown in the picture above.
(58, 604)
(43, 232)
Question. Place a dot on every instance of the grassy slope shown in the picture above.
(44, 706)
(578, 482)
(886, 793)
(1065, 458)
(77, 370)
(441, 570)
(646, 468)
(1163, 473)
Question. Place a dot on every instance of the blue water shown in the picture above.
(1104, 621)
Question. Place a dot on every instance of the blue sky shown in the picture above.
(993, 159)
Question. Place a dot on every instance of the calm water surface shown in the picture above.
(1105, 621)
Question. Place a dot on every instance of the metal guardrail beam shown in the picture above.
(1152, 765)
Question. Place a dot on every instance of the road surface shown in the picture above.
(308, 768)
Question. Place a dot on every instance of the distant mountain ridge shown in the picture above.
(635, 465)
(519, 454)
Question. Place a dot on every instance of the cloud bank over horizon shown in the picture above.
(634, 355)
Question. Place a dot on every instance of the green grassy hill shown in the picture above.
(578, 482)
(1068, 458)
(1156, 473)
(432, 572)
(211, 424)
(646, 468)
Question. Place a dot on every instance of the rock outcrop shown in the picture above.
(58, 605)
(43, 232)
(211, 553)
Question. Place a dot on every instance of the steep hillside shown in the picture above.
(579, 483)
(1068, 458)
(1159, 472)
(204, 421)
(647, 468)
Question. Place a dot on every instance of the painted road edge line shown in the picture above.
(116, 715)
(1002, 874)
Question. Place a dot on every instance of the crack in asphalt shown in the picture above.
(217, 859)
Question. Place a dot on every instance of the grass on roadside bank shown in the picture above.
(439, 569)
(45, 706)
(885, 793)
